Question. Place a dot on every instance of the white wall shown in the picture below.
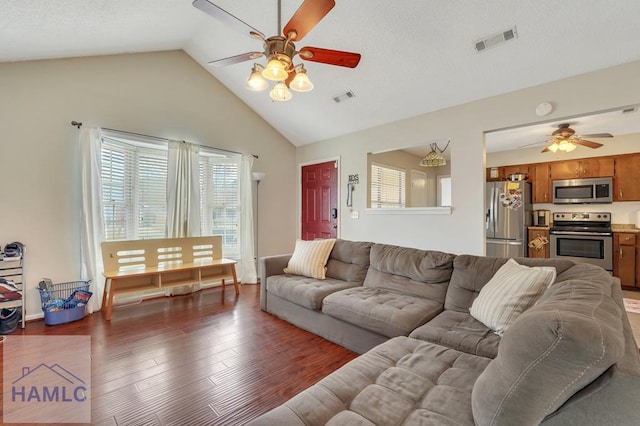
(164, 94)
(463, 230)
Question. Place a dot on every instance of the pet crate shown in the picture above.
(64, 302)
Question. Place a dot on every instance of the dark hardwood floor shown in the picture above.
(211, 358)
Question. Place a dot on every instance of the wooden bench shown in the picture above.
(140, 266)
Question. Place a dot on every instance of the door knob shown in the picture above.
(335, 226)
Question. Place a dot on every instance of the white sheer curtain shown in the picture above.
(247, 267)
(183, 197)
(92, 220)
(183, 190)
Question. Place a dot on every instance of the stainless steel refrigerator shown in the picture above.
(507, 217)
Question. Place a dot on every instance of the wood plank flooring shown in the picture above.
(211, 358)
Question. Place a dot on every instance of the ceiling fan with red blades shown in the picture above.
(565, 139)
(280, 50)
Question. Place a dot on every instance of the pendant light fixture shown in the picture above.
(434, 158)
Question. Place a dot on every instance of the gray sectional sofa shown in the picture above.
(569, 360)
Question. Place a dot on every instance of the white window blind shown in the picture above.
(220, 201)
(134, 186)
(388, 187)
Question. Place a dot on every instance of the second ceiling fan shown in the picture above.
(280, 50)
(565, 139)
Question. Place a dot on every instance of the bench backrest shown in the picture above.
(162, 252)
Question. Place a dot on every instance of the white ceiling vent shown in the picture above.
(344, 96)
(629, 110)
(495, 39)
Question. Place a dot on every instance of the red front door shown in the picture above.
(320, 201)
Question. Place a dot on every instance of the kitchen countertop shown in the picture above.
(623, 227)
(538, 228)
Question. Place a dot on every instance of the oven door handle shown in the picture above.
(591, 234)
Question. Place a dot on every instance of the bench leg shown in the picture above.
(235, 279)
(104, 294)
(110, 302)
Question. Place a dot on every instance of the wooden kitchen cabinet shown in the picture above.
(585, 168)
(505, 171)
(541, 183)
(544, 252)
(625, 179)
(625, 252)
(522, 168)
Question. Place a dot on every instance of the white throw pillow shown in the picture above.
(310, 258)
(512, 290)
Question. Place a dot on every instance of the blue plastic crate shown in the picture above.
(56, 295)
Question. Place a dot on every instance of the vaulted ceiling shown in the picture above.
(417, 56)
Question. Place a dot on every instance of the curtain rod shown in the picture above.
(79, 124)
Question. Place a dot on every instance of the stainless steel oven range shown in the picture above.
(583, 237)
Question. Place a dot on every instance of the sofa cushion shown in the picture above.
(349, 261)
(567, 340)
(471, 273)
(512, 290)
(379, 310)
(402, 381)
(460, 331)
(305, 291)
(405, 270)
(309, 258)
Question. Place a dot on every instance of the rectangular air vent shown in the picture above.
(497, 39)
(343, 97)
(629, 110)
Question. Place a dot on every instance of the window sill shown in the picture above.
(412, 211)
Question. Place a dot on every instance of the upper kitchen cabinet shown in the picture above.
(516, 170)
(625, 182)
(585, 168)
(541, 183)
(504, 172)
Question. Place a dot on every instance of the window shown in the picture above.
(134, 187)
(134, 192)
(388, 186)
(220, 200)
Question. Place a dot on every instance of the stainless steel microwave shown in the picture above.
(583, 191)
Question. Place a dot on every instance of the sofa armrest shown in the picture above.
(270, 265)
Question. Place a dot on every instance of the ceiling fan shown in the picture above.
(280, 50)
(565, 139)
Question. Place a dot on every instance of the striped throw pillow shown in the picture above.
(310, 258)
(513, 289)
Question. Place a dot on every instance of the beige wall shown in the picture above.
(165, 94)
(463, 230)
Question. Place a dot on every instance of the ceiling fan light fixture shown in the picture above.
(255, 81)
(301, 82)
(275, 70)
(566, 145)
(280, 92)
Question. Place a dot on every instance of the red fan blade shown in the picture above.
(598, 135)
(331, 57)
(235, 59)
(224, 16)
(590, 144)
(306, 17)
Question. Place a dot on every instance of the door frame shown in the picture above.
(299, 193)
